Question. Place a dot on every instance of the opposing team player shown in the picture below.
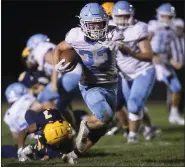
(53, 135)
(96, 48)
(138, 76)
(162, 37)
(20, 100)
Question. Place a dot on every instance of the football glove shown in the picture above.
(23, 152)
(62, 66)
(112, 45)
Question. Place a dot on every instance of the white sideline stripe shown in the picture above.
(122, 146)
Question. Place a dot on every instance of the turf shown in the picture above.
(167, 149)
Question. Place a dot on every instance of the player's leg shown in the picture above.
(150, 130)
(121, 111)
(47, 97)
(174, 85)
(102, 103)
(67, 85)
(140, 90)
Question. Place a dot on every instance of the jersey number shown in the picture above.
(47, 116)
(98, 56)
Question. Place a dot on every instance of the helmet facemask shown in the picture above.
(95, 30)
(165, 19)
(123, 20)
(30, 62)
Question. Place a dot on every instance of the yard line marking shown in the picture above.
(107, 146)
(163, 143)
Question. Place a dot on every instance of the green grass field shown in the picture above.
(165, 150)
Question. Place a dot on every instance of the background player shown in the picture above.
(178, 62)
(20, 101)
(138, 76)
(162, 37)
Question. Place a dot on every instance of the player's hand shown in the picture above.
(62, 66)
(23, 152)
(21, 155)
(112, 45)
(175, 64)
(156, 60)
(125, 49)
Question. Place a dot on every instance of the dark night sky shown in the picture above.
(21, 19)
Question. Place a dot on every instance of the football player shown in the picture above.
(40, 50)
(96, 48)
(138, 76)
(61, 86)
(52, 133)
(20, 100)
(122, 115)
(162, 37)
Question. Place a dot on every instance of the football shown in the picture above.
(71, 56)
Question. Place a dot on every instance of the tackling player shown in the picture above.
(52, 133)
(162, 37)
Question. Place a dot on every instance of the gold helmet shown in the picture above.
(108, 6)
(56, 132)
(25, 52)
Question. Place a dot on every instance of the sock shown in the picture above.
(147, 129)
(174, 111)
(124, 126)
(132, 134)
(76, 152)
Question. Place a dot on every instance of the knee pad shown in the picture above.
(135, 117)
(96, 134)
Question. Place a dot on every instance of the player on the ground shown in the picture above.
(52, 133)
(162, 37)
(138, 76)
(97, 49)
(20, 100)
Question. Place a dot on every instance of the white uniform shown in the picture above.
(100, 65)
(15, 115)
(129, 66)
(160, 42)
(39, 53)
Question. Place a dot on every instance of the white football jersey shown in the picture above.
(99, 64)
(130, 66)
(15, 115)
(39, 54)
(161, 40)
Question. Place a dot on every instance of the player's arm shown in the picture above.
(21, 141)
(24, 133)
(175, 64)
(145, 54)
(62, 46)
